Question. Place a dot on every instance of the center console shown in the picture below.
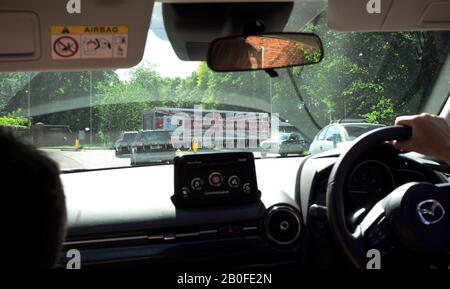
(215, 179)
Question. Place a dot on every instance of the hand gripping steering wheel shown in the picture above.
(415, 216)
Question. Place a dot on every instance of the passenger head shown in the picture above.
(32, 206)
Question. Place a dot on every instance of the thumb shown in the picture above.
(402, 145)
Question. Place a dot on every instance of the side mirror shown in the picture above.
(265, 51)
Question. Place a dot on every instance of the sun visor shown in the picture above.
(388, 15)
(50, 35)
(191, 27)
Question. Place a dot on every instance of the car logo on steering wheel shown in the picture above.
(430, 211)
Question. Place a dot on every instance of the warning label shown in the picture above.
(65, 46)
(89, 42)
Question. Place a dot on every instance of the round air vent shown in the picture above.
(282, 225)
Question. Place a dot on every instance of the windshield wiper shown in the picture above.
(300, 97)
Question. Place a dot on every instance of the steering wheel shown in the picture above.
(415, 216)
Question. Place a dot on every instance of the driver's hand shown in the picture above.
(430, 135)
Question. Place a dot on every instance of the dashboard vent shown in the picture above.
(283, 225)
(164, 236)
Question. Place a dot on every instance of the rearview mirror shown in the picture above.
(266, 51)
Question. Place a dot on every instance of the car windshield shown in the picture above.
(129, 137)
(76, 117)
(160, 136)
(354, 131)
(282, 136)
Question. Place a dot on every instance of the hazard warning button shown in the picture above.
(215, 179)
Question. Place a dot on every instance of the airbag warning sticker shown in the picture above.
(89, 42)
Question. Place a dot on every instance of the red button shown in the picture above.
(215, 179)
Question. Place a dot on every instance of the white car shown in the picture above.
(339, 134)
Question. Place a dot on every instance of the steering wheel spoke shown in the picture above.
(375, 233)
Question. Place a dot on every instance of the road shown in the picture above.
(86, 159)
(94, 159)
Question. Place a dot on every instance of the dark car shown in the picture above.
(284, 143)
(152, 145)
(123, 144)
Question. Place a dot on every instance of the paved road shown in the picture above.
(86, 159)
(93, 159)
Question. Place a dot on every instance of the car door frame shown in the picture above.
(317, 142)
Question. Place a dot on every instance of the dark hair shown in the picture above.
(231, 54)
(32, 206)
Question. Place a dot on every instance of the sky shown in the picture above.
(159, 52)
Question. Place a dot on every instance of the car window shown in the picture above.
(294, 137)
(129, 137)
(321, 134)
(331, 132)
(354, 131)
(156, 136)
(283, 137)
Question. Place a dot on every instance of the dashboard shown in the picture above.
(126, 215)
(123, 215)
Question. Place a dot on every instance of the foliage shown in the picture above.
(376, 76)
(14, 121)
(382, 112)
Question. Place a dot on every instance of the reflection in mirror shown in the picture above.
(276, 50)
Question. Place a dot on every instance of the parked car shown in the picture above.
(339, 134)
(152, 145)
(284, 144)
(123, 144)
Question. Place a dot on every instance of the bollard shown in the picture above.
(194, 144)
